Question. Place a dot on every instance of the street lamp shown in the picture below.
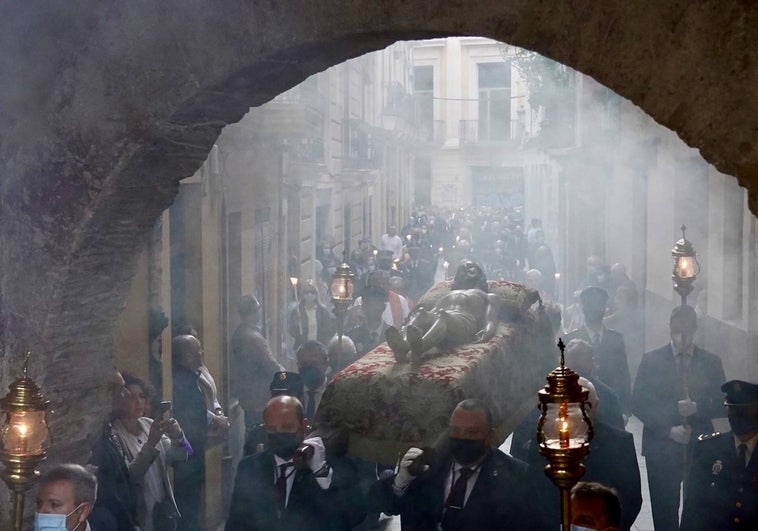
(686, 266)
(564, 431)
(342, 295)
(24, 439)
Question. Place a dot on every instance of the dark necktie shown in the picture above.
(281, 484)
(742, 455)
(310, 410)
(455, 500)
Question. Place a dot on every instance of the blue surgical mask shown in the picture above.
(52, 522)
(580, 528)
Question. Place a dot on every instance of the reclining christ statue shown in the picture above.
(468, 314)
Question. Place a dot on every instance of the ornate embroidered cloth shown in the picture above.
(386, 407)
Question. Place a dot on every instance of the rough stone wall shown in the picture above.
(104, 106)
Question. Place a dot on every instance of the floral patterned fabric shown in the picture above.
(386, 407)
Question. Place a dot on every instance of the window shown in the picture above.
(494, 101)
(423, 93)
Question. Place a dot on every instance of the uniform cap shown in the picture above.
(287, 382)
(740, 393)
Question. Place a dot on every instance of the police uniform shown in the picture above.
(283, 383)
(722, 491)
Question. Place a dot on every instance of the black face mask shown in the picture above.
(283, 444)
(312, 376)
(467, 451)
(742, 423)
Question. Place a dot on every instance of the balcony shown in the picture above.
(473, 132)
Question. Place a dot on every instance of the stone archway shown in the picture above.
(106, 106)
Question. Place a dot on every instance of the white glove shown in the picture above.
(680, 434)
(318, 460)
(403, 476)
(686, 407)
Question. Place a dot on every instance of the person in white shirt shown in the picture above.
(392, 242)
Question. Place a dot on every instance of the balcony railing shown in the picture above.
(477, 132)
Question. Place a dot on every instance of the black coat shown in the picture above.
(255, 503)
(116, 505)
(722, 494)
(612, 461)
(656, 393)
(611, 365)
(500, 499)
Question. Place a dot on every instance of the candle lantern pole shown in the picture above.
(564, 431)
(24, 440)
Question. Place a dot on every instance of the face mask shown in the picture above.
(283, 444)
(53, 522)
(310, 298)
(580, 528)
(466, 451)
(312, 376)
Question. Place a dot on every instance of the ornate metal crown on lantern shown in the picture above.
(564, 430)
(686, 266)
(342, 294)
(25, 438)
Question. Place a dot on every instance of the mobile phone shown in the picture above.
(164, 410)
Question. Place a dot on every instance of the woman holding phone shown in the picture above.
(150, 446)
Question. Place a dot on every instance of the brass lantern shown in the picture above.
(564, 431)
(686, 266)
(342, 294)
(24, 439)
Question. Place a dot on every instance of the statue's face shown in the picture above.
(468, 275)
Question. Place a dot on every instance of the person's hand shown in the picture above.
(155, 433)
(314, 454)
(680, 434)
(173, 429)
(404, 476)
(686, 407)
(219, 426)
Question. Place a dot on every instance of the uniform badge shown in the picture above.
(717, 467)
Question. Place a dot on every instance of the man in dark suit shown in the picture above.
(722, 491)
(471, 487)
(612, 461)
(372, 331)
(289, 486)
(190, 410)
(676, 394)
(418, 273)
(581, 358)
(611, 364)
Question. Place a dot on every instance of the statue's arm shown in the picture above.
(491, 317)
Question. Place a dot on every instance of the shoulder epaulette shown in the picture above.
(708, 436)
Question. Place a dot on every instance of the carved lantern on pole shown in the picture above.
(25, 437)
(686, 266)
(342, 295)
(564, 431)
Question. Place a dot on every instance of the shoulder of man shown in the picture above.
(706, 354)
(507, 465)
(660, 351)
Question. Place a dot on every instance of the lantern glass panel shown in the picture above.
(342, 288)
(685, 267)
(24, 432)
(565, 426)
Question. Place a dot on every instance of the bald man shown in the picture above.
(191, 411)
(290, 485)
